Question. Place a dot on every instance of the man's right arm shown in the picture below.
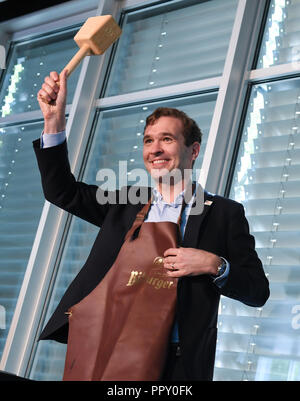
(59, 185)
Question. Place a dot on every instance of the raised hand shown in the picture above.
(52, 100)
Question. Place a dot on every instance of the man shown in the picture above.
(217, 255)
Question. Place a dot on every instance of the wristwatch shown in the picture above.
(221, 267)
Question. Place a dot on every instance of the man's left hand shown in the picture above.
(181, 262)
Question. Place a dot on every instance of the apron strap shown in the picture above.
(140, 217)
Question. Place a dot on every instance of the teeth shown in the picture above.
(159, 161)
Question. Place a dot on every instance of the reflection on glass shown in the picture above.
(168, 45)
(281, 42)
(263, 343)
(29, 64)
(117, 137)
(21, 202)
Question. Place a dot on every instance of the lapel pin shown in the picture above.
(208, 202)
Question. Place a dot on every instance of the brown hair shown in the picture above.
(191, 131)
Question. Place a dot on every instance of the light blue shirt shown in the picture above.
(159, 211)
(49, 140)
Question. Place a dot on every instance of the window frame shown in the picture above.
(21, 336)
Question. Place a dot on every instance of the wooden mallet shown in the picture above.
(93, 38)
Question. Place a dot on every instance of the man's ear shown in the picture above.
(196, 150)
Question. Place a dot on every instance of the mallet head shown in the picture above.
(98, 33)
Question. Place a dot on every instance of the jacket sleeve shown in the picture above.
(61, 188)
(246, 280)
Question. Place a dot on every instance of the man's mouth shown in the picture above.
(159, 162)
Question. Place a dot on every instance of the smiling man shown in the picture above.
(216, 254)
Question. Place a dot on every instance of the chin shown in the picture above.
(167, 176)
(157, 173)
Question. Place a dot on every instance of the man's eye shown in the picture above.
(147, 141)
(167, 139)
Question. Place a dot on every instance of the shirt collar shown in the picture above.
(157, 197)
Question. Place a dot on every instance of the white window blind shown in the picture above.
(21, 198)
(163, 45)
(30, 62)
(263, 343)
(21, 202)
(281, 42)
(117, 137)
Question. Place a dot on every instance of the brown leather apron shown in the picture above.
(120, 331)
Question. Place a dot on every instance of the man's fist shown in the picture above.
(52, 100)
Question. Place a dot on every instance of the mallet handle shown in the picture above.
(73, 63)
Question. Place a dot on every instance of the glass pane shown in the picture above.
(29, 64)
(281, 41)
(165, 46)
(263, 343)
(21, 202)
(117, 137)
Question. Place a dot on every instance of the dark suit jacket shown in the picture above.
(222, 229)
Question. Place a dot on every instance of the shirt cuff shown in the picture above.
(221, 279)
(49, 140)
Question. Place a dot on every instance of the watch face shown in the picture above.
(222, 267)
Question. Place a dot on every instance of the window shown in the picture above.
(30, 62)
(281, 41)
(21, 202)
(21, 197)
(261, 343)
(163, 46)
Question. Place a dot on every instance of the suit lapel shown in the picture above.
(195, 220)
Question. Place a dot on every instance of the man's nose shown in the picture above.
(156, 147)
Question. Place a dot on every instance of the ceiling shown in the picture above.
(10, 9)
